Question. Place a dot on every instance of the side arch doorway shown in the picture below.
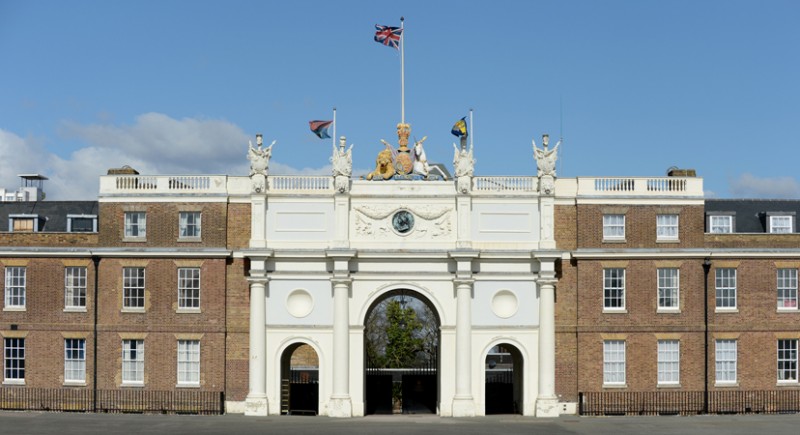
(401, 353)
(504, 373)
(299, 380)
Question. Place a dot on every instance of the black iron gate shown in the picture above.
(300, 392)
(500, 391)
(402, 390)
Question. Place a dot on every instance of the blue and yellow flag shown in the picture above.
(460, 127)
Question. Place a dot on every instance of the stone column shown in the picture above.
(256, 401)
(340, 404)
(547, 401)
(463, 402)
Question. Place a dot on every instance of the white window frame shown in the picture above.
(725, 361)
(667, 227)
(34, 218)
(725, 289)
(780, 223)
(135, 225)
(787, 361)
(787, 289)
(720, 224)
(75, 361)
(614, 363)
(14, 360)
(669, 289)
(72, 217)
(132, 362)
(15, 288)
(190, 225)
(614, 227)
(133, 288)
(614, 289)
(74, 288)
(188, 363)
(189, 289)
(669, 362)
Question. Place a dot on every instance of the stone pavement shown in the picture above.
(19, 423)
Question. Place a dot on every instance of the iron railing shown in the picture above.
(128, 400)
(688, 402)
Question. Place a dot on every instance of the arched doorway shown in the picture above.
(401, 353)
(503, 380)
(299, 380)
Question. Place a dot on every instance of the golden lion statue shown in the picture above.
(384, 166)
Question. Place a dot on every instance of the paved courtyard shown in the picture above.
(68, 423)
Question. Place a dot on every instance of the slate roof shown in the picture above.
(751, 214)
(52, 214)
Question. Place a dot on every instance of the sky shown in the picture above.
(179, 87)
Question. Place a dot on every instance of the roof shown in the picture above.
(751, 214)
(52, 214)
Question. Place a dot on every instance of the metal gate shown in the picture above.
(402, 390)
(300, 392)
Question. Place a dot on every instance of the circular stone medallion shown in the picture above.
(299, 303)
(504, 304)
(403, 222)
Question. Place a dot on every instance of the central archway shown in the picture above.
(401, 354)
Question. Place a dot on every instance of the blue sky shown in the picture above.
(634, 87)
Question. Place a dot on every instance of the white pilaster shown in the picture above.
(463, 402)
(258, 220)
(547, 401)
(256, 401)
(340, 404)
(341, 221)
(546, 222)
(464, 210)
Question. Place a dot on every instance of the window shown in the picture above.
(726, 361)
(787, 360)
(668, 289)
(725, 281)
(75, 360)
(133, 287)
(135, 224)
(188, 362)
(787, 289)
(79, 223)
(614, 362)
(720, 224)
(14, 360)
(75, 287)
(780, 224)
(189, 288)
(669, 362)
(667, 227)
(614, 226)
(15, 287)
(133, 361)
(23, 223)
(189, 226)
(614, 289)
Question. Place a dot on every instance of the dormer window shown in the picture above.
(23, 223)
(720, 224)
(81, 223)
(780, 222)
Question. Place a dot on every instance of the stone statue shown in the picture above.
(259, 157)
(545, 158)
(463, 162)
(420, 160)
(464, 165)
(342, 162)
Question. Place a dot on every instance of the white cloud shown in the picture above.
(750, 186)
(154, 144)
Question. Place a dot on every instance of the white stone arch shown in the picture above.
(379, 293)
(528, 370)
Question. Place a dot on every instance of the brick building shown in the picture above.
(250, 294)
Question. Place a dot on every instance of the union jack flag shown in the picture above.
(388, 36)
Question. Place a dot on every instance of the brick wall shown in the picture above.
(50, 240)
(162, 224)
(640, 226)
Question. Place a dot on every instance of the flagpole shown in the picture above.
(471, 127)
(333, 139)
(402, 74)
